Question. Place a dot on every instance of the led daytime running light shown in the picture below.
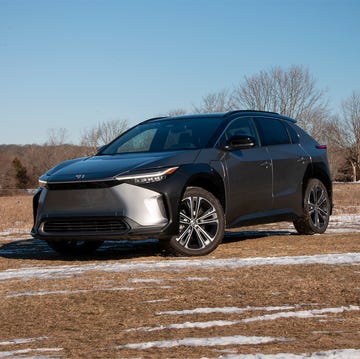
(149, 177)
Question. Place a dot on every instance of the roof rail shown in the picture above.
(241, 111)
(155, 118)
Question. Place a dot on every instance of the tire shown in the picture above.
(74, 247)
(316, 209)
(202, 224)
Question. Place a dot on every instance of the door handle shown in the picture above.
(301, 159)
(266, 164)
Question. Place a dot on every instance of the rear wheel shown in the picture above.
(316, 210)
(201, 224)
(74, 247)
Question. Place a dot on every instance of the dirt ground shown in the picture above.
(265, 290)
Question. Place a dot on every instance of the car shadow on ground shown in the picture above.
(34, 249)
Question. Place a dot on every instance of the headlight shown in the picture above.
(150, 177)
(42, 183)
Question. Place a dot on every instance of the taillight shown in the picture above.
(321, 147)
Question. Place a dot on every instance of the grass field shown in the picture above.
(265, 291)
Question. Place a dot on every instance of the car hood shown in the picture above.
(108, 166)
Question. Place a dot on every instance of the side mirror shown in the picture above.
(240, 143)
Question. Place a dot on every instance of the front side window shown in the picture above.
(240, 127)
(272, 132)
(166, 135)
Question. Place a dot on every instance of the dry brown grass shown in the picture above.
(91, 314)
(346, 198)
(16, 213)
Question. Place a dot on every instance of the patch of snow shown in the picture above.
(5, 233)
(143, 280)
(203, 342)
(199, 279)
(68, 271)
(65, 292)
(187, 325)
(15, 353)
(223, 310)
(313, 313)
(344, 223)
(77, 291)
(22, 341)
(15, 231)
(329, 354)
(156, 301)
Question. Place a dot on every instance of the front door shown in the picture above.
(248, 175)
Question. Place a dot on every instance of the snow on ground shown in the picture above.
(313, 313)
(330, 354)
(342, 223)
(338, 224)
(205, 342)
(279, 313)
(22, 341)
(68, 271)
(19, 353)
(35, 353)
(222, 310)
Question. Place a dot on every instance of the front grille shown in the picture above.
(82, 185)
(85, 226)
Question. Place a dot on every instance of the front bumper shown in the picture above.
(119, 211)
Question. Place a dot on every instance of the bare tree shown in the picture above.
(291, 92)
(331, 133)
(54, 150)
(177, 112)
(57, 136)
(215, 102)
(351, 116)
(103, 133)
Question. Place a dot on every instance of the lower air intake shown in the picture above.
(84, 226)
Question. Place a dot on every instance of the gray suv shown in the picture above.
(185, 180)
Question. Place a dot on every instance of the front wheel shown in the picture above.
(202, 223)
(74, 247)
(316, 209)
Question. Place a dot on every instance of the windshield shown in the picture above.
(166, 135)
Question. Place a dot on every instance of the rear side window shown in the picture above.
(293, 134)
(272, 132)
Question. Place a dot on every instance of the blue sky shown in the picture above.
(74, 63)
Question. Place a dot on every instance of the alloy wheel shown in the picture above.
(318, 207)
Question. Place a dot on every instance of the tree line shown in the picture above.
(292, 92)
